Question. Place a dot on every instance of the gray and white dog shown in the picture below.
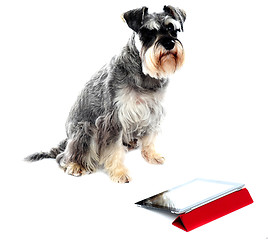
(120, 106)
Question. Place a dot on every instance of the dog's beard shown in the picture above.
(160, 63)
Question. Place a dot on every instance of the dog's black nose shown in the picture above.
(168, 43)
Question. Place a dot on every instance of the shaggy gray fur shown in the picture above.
(94, 116)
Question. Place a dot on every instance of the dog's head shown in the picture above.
(157, 39)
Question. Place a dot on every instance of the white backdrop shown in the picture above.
(215, 127)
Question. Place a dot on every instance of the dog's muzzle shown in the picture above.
(163, 58)
(167, 43)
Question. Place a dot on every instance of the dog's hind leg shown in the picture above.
(76, 159)
(70, 160)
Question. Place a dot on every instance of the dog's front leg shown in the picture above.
(113, 158)
(148, 150)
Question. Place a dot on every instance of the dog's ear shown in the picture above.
(134, 18)
(176, 13)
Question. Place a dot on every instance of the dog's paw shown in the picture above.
(74, 169)
(152, 157)
(120, 176)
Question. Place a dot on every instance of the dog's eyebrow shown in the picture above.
(175, 23)
(151, 24)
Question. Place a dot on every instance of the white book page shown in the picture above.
(190, 194)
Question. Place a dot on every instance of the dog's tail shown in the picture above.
(53, 153)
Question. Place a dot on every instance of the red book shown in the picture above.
(213, 210)
(199, 201)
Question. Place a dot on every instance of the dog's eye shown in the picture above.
(170, 27)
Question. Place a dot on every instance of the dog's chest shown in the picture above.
(139, 113)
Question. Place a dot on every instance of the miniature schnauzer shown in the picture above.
(120, 107)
